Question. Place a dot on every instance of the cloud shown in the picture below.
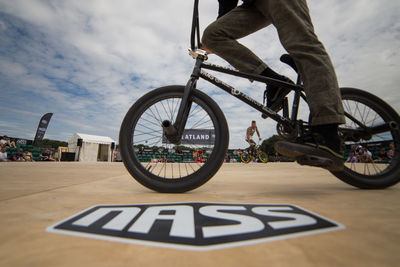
(89, 61)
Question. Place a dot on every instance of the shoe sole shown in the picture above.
(311, 156)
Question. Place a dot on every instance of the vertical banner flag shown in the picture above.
(42, 127)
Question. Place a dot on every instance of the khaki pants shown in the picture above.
(296, 33)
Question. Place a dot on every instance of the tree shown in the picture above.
(268, 144)
(51, 143)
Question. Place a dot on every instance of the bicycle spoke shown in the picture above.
(162, 104)
(155, 107)
(154, 116)
(148, 133)
(155, 124)
(193, 113)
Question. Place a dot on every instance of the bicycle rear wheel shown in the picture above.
(157, 165)
(263, 156)
(372, 124)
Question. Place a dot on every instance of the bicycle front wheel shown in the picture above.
(371, 125)
(245, 157)
(157, 164)
(263, 156)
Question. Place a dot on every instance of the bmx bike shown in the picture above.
(254, 154)
(178, 115)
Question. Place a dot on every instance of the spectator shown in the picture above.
(382, 156)
(4, 141)
(12, 143)
(19, 156)
(52, 158)
(47, 156)
(28, 155)
(366, 156)
(141, 150)
(180, 154)
(352, 158)
(227, 157)
(154, 160)
(117, 155)
(358, 152)
(390, 153)
(3, 154)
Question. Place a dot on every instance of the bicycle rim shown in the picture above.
(156, 163)
(372, 112)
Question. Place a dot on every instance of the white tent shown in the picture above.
(91, 148)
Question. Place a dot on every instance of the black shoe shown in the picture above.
(321, 148)
(276, 94)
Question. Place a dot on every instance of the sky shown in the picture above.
(88, 61)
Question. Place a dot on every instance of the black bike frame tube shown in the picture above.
(195, 26)
(295, 106)
(245, 98)
(250, 76)
(186, 104)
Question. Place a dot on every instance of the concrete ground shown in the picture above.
(34, 196)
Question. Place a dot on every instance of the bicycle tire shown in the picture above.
(206, 170)
(367, 103)
(245, 157)
(263, 156)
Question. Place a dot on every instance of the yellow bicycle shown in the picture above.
(248, 156)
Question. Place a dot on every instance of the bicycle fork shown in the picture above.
(173, 132)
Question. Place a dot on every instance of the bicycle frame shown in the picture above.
(174, 133)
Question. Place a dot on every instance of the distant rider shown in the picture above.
(249, 137)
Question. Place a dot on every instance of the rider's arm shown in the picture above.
(258, 133)
(225, 6)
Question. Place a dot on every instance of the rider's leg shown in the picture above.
(220, 37)
(252, 147)
(296, 32)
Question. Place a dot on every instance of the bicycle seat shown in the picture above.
(286, 58)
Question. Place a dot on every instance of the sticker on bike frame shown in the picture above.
(195, 225)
